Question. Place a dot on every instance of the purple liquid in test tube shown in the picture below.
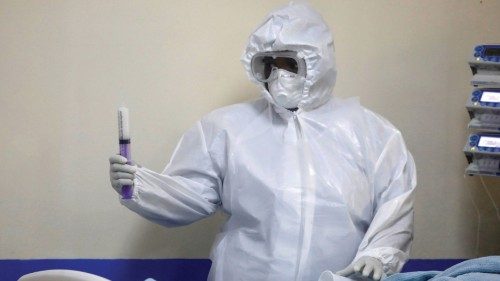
(127, 190)
(124, 137)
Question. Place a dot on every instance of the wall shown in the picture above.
(65, 66)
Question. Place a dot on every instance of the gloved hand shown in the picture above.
(121, 173)
(367, 266)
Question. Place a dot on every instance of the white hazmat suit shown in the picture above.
(305, 191)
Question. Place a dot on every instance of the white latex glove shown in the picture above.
(366, 266)
(121, 173)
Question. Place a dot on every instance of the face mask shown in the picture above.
(286, 88)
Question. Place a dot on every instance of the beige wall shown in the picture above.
(65, 66)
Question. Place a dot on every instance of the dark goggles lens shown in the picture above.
(288, 64)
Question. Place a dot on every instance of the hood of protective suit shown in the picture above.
(297, 27)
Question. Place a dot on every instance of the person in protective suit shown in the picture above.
(309, 182)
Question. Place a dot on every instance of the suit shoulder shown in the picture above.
(235, 114)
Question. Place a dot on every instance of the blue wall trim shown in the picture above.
(430, 264)
(121, 269)
(158, 269)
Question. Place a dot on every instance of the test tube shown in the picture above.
(124, 140)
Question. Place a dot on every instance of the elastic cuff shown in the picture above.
(392, 259)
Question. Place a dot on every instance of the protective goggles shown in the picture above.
(264, 63)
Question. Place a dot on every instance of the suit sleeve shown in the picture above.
(186, 191)
(390, 233)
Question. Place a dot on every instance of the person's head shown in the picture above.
(292, 51)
